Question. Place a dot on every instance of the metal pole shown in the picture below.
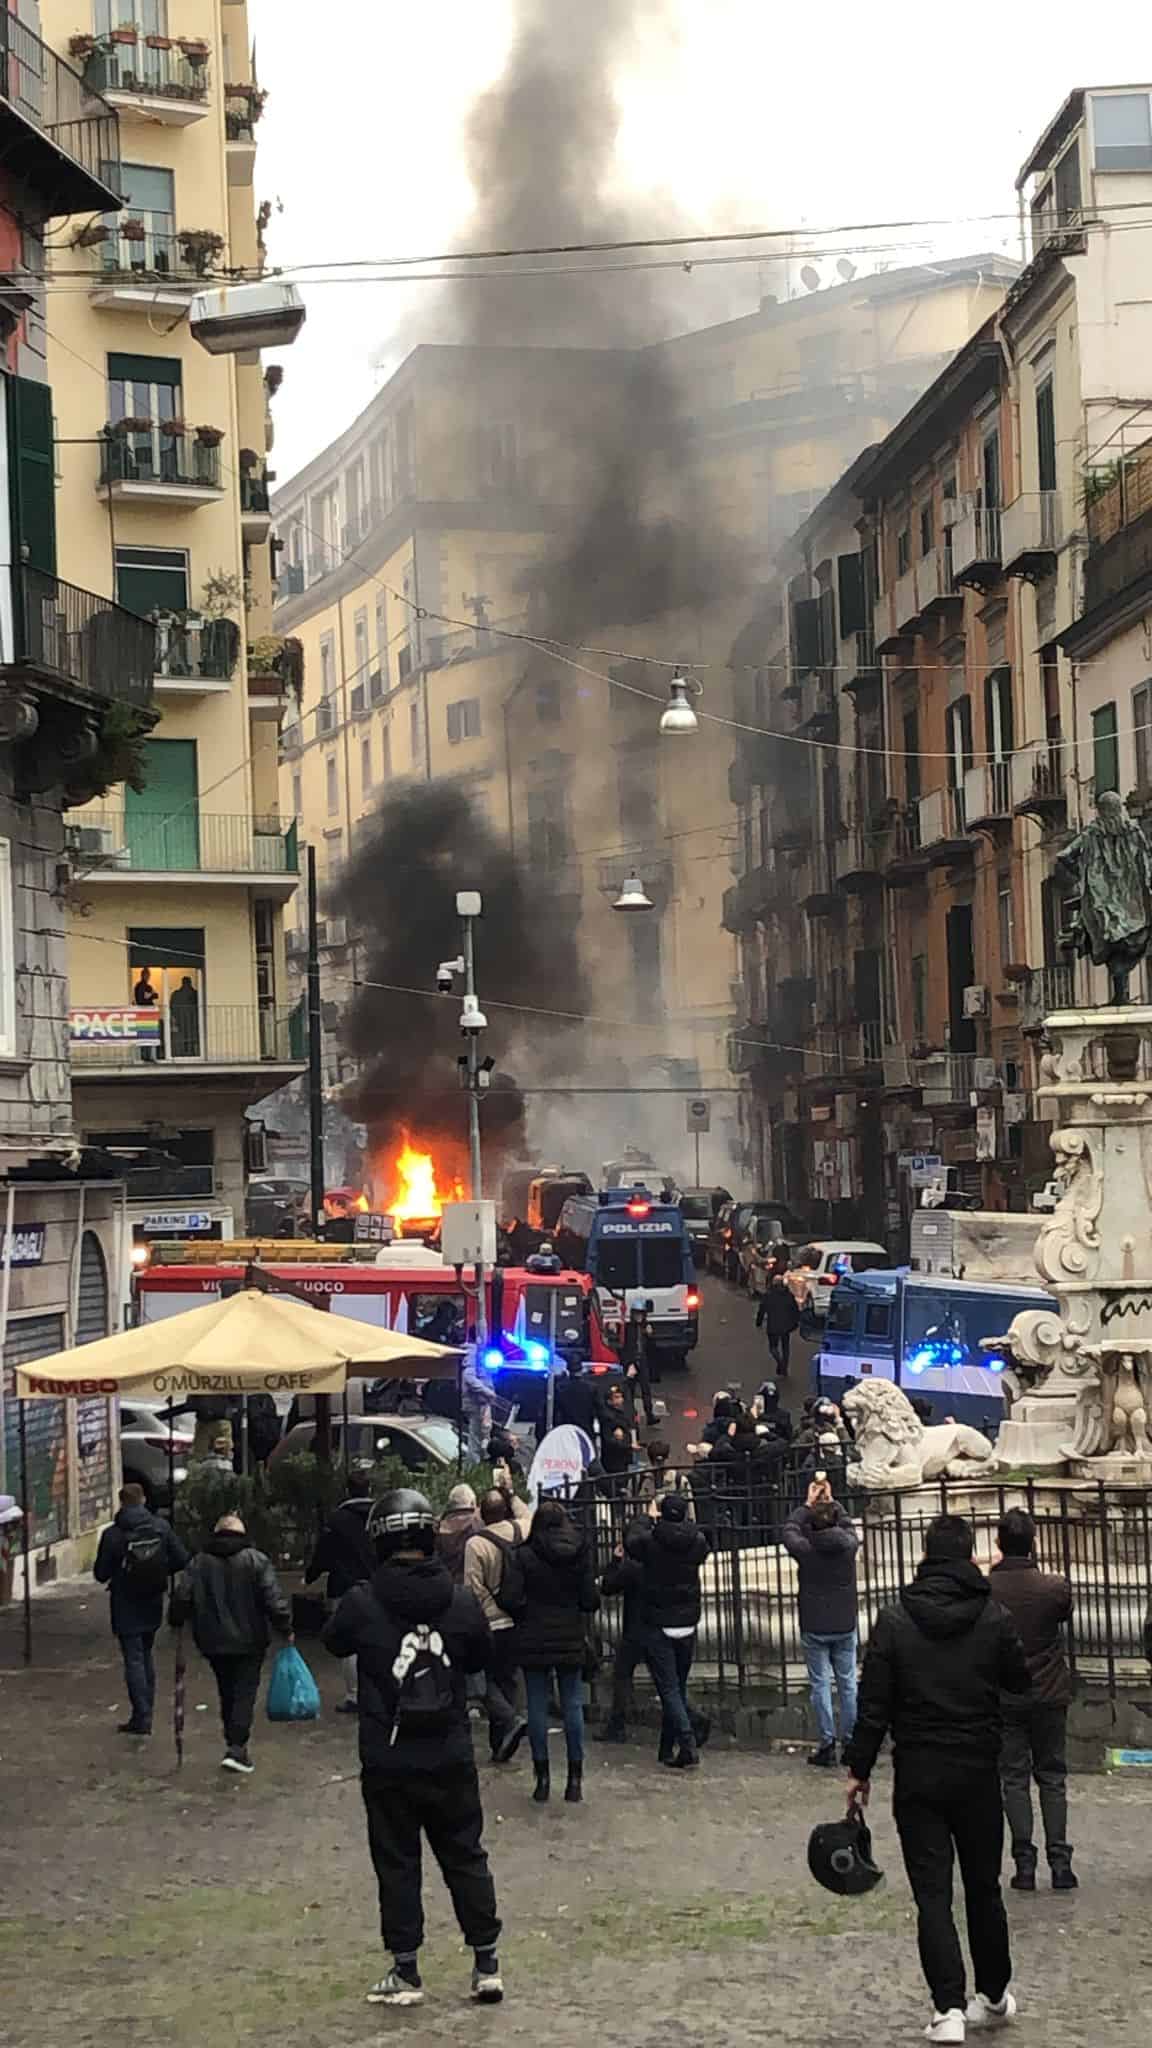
(474, 1131)
(322, 1442)
(315, 1055)
(696, 1135)
(27, 1507)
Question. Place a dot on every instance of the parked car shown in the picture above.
(830, 1259)
(734, 1223)
(144, 1434)
(700, 1208)
(417, 1440)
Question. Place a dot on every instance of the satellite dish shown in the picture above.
(810, 277)
(847, 270)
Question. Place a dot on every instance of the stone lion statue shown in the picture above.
(897, 1451)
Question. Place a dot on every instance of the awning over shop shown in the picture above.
(250, 1343)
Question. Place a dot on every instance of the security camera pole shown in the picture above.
(469, 907)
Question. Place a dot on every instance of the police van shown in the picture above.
(637, 1251)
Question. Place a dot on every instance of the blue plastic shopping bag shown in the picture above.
(292, 1690)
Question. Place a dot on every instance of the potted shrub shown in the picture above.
(160, 42)
(134, 424)
(91, 235)
(175, 429)
(196, 50)
(83, 46)
(248, 459)
(133, 230)
(200, 247)
(273, 378)
(209, 437)
(126, 33)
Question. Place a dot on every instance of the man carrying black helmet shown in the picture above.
(417, 1636)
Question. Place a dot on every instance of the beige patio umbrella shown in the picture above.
(250, 1343)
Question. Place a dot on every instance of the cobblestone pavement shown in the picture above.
(142, 1904)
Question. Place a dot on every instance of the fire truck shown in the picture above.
(536, 1319)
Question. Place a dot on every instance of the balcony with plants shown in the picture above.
(255, 499)
(276, 672)
(58, 136)
(243, 105)
(147, 77)
(164, 460)
(145, 260)
(79, 683)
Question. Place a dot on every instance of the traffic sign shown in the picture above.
(698, 1113)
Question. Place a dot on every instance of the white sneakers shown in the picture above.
(945, 2026)
(983, 2016)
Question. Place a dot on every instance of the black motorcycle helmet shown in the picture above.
(402, 1520)
(840, 1856)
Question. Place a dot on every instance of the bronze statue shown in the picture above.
(1111, 864)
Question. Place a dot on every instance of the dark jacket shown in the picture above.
(371, 1623)
(670, 1555)
(748, 1463)
(232, 1597)
(624, 1578)
(549, 1588)
(934, 1673)
(133, 1610)
(778, 1313)
(575, 1400)
(827, 1561)
(1040, 1604)
(616, 1453)
(343, 1554)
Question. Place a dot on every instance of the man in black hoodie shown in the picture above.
(1035, 1729)
(417, 1636)
(138, 1553)
(233, 1598)
(670, 1552)
(936, 1667)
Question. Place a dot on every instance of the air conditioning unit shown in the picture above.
(984, 1074)
(97, 843)
(976, 1001)
(332, 931)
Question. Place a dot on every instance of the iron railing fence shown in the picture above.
(1099, 1537)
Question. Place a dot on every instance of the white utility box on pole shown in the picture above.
(468, 1234)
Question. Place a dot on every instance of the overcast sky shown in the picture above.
(747, 117)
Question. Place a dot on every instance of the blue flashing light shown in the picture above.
(937, 1356)
(493, 1359)
(537, 1354)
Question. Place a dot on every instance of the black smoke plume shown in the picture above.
(398, 895)
(644, 539)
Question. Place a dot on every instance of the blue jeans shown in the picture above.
(670, 1661)
(570, 1686)
(828, 1654)
(140, 1676)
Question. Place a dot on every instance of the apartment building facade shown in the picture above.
(76, 672)
(996, 683)
(441, 498)
(182, 1015)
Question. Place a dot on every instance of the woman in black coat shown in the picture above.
(550, 1590)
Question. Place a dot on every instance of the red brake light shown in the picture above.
(692, 1298)
(639, 1208)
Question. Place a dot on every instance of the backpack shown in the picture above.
(145, 1563)
(422, 1669)
(504, 1548)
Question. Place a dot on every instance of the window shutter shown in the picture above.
(806, 632)
(850, 582)
(31, 479)
(124, 369)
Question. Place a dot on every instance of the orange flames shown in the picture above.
(416, 1195)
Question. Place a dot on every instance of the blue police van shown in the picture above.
(637, 1251)
(926, 1335)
